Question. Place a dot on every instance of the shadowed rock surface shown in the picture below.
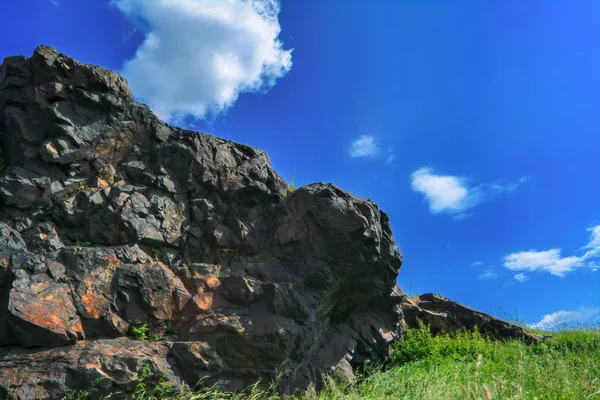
(445, 315)
(110, 218)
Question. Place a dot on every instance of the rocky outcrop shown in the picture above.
(445, 316)
(112, 221)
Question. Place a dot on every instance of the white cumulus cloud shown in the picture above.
(199, 55)
(558, 318)
(553, 262)
(452, 194)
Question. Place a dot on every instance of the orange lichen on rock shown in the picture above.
(212, 282)
(203, 301)
(93, 303)
(52, 315)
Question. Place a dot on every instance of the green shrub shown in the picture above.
(421, 345)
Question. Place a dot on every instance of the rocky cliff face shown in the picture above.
(112, 220)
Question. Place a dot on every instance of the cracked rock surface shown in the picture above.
(110, 219)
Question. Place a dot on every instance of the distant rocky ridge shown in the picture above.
(443, 315)
(112, 220)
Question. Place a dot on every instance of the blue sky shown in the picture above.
(474, 124)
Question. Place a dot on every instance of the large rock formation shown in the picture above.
(111, 219)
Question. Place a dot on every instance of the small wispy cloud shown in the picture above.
(521, 277)
(593, 246)
(555, 319)
(367, 146)
(553, 262)
(364, 147)
(488, 275)
(54, 2)
(452, 194)
(390, 158)
(504, 187)
(487, 271)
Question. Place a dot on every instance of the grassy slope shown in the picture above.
(461, 366)
(470, 367)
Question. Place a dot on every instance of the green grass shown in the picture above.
(467, 366)
(461, 366)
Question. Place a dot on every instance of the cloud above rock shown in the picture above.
(453, 195)
(198, 56)
(364, 146)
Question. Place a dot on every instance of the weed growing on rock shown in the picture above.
(139, 331)
(156, 253)
(171, 330)
(87, 393)
(293, 184)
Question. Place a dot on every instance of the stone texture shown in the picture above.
(49, 373)
(110, 218)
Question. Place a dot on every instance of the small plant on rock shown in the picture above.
(293, 184)
(139, 331)
(156, 338)
(156, 253)
(171, 330)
